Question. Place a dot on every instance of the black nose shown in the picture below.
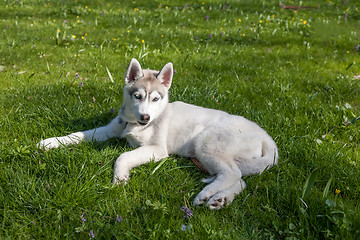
(145, 117)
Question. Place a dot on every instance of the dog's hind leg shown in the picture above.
(216, 154)
(226, 196)
(225, 186)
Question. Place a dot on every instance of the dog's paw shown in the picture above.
(216, 202)
(48, 144)
(121, 177)
(120, 180)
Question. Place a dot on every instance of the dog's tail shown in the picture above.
(269, 157)
(270, 152)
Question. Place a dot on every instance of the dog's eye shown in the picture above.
(156, 99)
(137, 96)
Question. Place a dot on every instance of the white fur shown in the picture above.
(227, 146)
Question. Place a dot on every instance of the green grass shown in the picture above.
(290, 71)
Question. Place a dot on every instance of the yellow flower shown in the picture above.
(58, 30)
(337, 191)
(82, 37)
(305, 22)
(346, 52)
(143, 41)
(73, 36)
(260, 21)
(272, 16)
(203, 3)
(128, 31)
(162, 35)
(54, 20)
(85, 34)
(239, 20)
(114, 39)
(347, 10)
(220, 29)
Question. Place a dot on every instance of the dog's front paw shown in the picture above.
(118, 180)
(49, 144)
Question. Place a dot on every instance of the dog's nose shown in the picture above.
(145, 117)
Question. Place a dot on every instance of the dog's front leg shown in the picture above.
(113, 129)
(128, 160)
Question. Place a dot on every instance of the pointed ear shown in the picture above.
(133, 71)
(166, 74)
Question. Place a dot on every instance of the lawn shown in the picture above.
(294, 71)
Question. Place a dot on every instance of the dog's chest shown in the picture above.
(137, 136)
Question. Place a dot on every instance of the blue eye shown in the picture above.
(137, 96)
(156, 99)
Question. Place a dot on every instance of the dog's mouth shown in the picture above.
(142, 123)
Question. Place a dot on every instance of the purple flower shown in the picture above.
(211, 35)
(91, 233)
(112, 110)
(206, 17)
(81, 84)
(65, 21)
(174, 71)
(187, 212)
(6, 26)
(119, 218)
(345, 17)
(357, 47)
(77, 75)
(268, 50)
(196, 37)
(82, 218)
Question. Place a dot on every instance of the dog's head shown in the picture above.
(145, 92)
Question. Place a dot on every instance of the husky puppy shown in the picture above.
(227, 146)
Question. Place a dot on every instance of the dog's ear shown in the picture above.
(166, 74)
(133, 71)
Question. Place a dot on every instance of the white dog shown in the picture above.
(227, 146)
